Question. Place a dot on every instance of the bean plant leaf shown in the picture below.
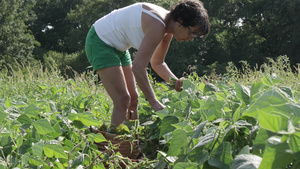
(183, 125)
(267, 80)
(32, 110)
(25, 159)
(178, 143)
(199, 129)
(245, 150)
(88, 119)
(206, 139)
(261, 138)
(57, 132)
(78, 160)
(255, 89)
(242, 92)
(222, 157)
(43, 126)
(294, 143)
(271, 122)
(199, 156)
(264, 103)
(54, 150)
(24, 119)
(37, 149)
(35, 161)
(186, 165)
(209, 87)
(162, 113)
(2, 115)
(188, 84)
(287, 91)
(246, 161)
(166, 126)
(92, 137)
(277, 154)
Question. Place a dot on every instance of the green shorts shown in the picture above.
(102, 55)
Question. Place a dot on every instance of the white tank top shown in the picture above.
(122, 28)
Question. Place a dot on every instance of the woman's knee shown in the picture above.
(123, 100)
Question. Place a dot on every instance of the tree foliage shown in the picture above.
(253, 30)
(250, 30)
(16, 41)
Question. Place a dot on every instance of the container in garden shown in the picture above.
(127, 147)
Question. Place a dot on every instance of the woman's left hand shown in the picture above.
(178, 85)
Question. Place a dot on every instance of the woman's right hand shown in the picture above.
(156, 105)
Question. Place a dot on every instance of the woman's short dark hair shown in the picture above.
(191, 13)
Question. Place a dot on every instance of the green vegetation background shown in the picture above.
(246, 116)
(53, 32)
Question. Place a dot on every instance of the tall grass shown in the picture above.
(35, 83)
(278, 69)
(84, 91)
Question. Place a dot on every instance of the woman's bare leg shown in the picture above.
(113, 80)
(131, 86)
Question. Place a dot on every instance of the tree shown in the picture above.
(52, 26)
(252, 30)
(16, 41)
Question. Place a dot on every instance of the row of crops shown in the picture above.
(247, 118)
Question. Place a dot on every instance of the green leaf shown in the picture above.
(78, 160)
(186, 165)
(261, 138)
(287, 91)
(243, 93)
(267, 80)
(182, 125)
(24, 119)
(25, 159)
(70, 143)
(222, 157)
(43, 126)
(57, 132)
(202, 86)
(294, 144)
(32, 110)
(199, 156)
(35, 161)
(54, 150)
(270, 121)
(246, 161)
(277, 154)
(99, 138)
(187, 84)
(178, 143)
(273, 102)
(206, 139)
(166, 122)
(43, 87)
(92, 137)
(245, 150)
(199, 129)
(88, 119)
(237, 114)
(209, 87)
(255, 89)
(162, 113)
(264, 103)
(7, 103)
(37, 149)
(3, 115)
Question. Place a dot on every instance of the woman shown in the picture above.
(149, 29)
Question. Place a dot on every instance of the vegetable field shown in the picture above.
(244, 119)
